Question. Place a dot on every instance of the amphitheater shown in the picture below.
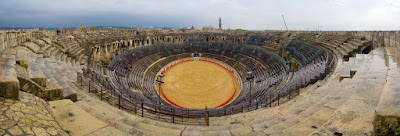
(145, 82)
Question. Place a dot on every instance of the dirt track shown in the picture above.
(197, 84)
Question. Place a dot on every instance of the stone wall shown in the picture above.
(379, 38)
(12, 39)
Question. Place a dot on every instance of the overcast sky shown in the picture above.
(244, 14)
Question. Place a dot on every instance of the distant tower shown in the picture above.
(220, 25)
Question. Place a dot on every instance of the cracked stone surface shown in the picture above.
(29, 116)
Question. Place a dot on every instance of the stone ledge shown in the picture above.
(73, 119)
(35, 89)
(9, 84)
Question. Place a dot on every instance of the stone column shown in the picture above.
(397, 39)
(107, 55)
(1, 42)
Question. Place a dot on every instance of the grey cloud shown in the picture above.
(246, 14)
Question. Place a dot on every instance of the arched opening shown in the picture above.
(367, 49)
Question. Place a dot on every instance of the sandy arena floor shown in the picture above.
(197, 84)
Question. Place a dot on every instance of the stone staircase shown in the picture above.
(342, 46)
(322, 106)
(351, 66)
(55, 70)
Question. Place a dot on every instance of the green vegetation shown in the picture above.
(241, 30)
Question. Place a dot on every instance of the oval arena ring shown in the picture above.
(198, 84)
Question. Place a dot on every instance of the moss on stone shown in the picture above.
(387, 126)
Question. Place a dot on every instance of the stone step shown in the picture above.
(259, 121)
(308, 125)
(47, 52)
(51, 83)
(304, 127)
(32, 46)
(35, 73)
(356, 115)
(47, 40)
(291, 120)
(54, 52)
(387, 110)
(258, 118)
(22, 71)
(9, 84)
(346, 47)
(73, 119)
(133, 130)
(304, 108)
(206, 133)
(152, 127)
(44, 48)
(351, 46)
(39, 42)
(70, 72)
(59, 55)
(69, 91)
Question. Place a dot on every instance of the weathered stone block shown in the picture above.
(9, 84)
(9, 89)
(35, 89)
(40, 81)
(23, 63)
